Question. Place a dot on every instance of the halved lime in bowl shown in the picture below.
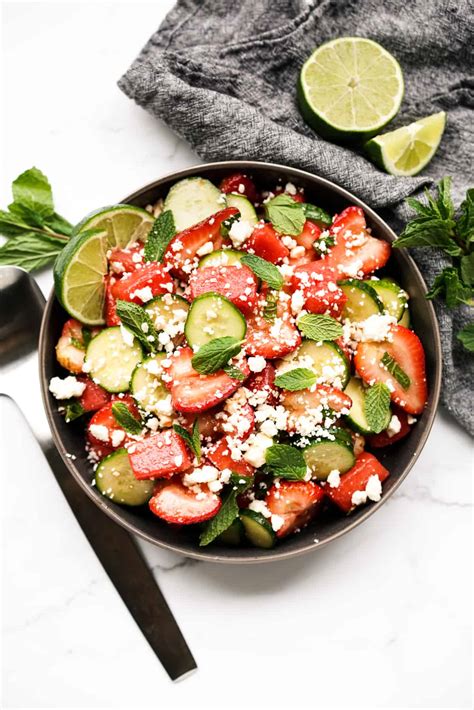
(123, 223)
(350, 88)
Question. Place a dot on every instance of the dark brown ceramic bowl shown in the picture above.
(398, 458)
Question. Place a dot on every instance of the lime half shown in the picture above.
(407, 150)
(124, 224)
(350, 88)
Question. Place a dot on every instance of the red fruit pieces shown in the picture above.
(357, 480)
(237, 283)
(275, 337)
(94, 396)
(142, 285)
(160, 455)
(378, 441)
(266, 243)
(180, 505)
(221, 456)
(124, 261)
(296, 502)
(264, 382)
(240, 184)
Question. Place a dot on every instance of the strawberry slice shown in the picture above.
(94, 396)
(192, 392)
(237, 283)
(110, 306)
(297, 502)
(356, 479)
(265, 242)
(104, 429)
(264, 382)
(407, 351)
(220, 456)
(160, 455)
(378, 441)
(142, 285)
(317, 283)
(181, 253)
(299, 403)
(241, 185)
(124, 261)
(272, 338)
(177, 504)
(97, 451)
(311, 232)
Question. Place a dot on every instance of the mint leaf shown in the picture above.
(449, 286)
(234, 372)
(430, 231)
(322, 245)
(214, 355)
(392, 366)
(125, 418)
(317, 215)
(465, 226)
(138, 322)
(72, 410)
(224, 518)
(298, 379)
(193, 439)
(11, 225)
(466, 336)
(59, 224)
(319, 327)
(159, 236)
(270, 308)
(286, 215)
(264, 269)
(30, 251)
(377, 407)
(286, 461)
(31, 190)
(467, 269)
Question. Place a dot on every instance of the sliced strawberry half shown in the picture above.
(272, 338)
(297, 502)
(319, 289)
(356, 479)
(240, 184)
(264, 382)
(407, 351)
(94, 396)
(237, 283)
(378, 441)
(104, 429)
(299, 403)
(124, 261)
(160, 455)
(220, 456)
(142, 285)
(311, 232)
(192, 392)
(266, 243)
(180, 255)
(177, 504)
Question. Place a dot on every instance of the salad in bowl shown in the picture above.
(238, 358)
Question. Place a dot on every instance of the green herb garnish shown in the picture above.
(215, 355)
(264, 269)
(193, 439)
(377, 406)
(392, 366)
(319, 327)
(138, 322)
(298, 379)
(286, 215)
(159, 236)
(125, 418)
(286, 461)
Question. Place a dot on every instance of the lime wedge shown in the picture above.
(80, 268)
(350, 88)
(124, 224)
(407, 150)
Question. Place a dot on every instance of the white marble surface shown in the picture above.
(378, 619)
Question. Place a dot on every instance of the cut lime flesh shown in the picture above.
(350, 88)
(124, 224)
(407, 150)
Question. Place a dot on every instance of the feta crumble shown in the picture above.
(66, 388)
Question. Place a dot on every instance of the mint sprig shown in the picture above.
(215, 355)
(193, 439)
(159, 236)
(138, 322)
(125, 418)
(286, 215)
(466, 336)
(228, 512)
(377, 407)
(317, 215)
(392, 366)
(298, 379)
(319, 327)
(286, 461)
(264, 269)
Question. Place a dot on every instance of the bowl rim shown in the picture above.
(213, 555)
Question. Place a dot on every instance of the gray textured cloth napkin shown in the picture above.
(222, 74)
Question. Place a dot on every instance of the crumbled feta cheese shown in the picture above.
(240, 231)
(127, 335)
(256, 363)
(374, 488)
(394, 426)
(289, 242)
(144, 294)
(334, 478)
(290, 188)
(297, 252)
(259, 506)
(255, 454)
(118, 435)
(206, 248)
(358, 497)
(411, 420)
(297, 302)
(100, 432)
(66, 388)
(277, 522)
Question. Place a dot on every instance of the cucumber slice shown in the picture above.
(356, 417)
(326, 360)
(233, 535)
(193, 199)
(257, 529)
(169, 313)
(146, 384)
(393, 297)
(245, 207)
(362, 300)
(110, 361)
(222, 257)
(323, 455)
(213, 316)
(114, 479)
(405, 320)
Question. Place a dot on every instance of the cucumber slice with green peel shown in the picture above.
(326, 360)
(257, 529)
(323, 455)
(146, 384)
(362, 300)
(233, 535)
(213, 316)
(114, 479)
(110, 361)
(124, 224)
(169, 313)
(193, 199)
(221, 257)
(393, 297)
(405, 320)
(245, 207)
(356, 417)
